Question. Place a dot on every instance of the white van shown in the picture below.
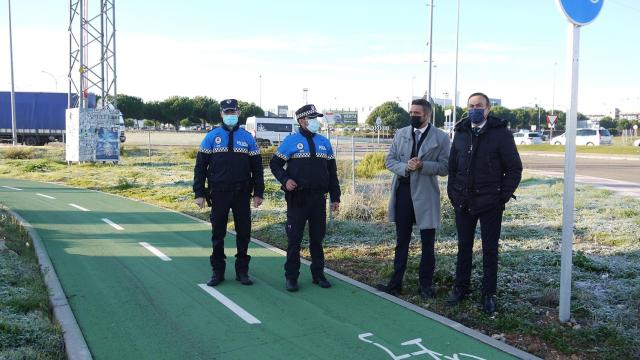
(271, 130)
(588, 137)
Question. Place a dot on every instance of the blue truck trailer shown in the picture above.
(40, 117)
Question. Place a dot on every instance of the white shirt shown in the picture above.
(421, 130)
(479, 126)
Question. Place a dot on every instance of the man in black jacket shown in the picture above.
(229, 162)
(484, 172)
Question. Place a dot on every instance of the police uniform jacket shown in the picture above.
(309, 161)
(229, 160)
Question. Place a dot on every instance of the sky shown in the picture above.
(347, 53)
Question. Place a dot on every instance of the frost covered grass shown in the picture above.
(27, 330)
(359, 243)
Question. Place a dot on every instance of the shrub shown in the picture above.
(190, 153)
(125, 183)
(42, 165)
(19, 153)
(370, 165)
(368, 206)
(267, 154)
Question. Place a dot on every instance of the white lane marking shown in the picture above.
(12, 188)
(114, 225)
(242, 313)
(155, 251)
(46, 196)
(79, 207)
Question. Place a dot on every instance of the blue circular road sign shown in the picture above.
(581, 12)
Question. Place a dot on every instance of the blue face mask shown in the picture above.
(313, 125)
(230, 120)
(476, 115)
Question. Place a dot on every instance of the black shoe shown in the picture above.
(426, 292)
(292, 285)
(489, 304)
(457, 296)
(322, 281)
(391, 290)
(215, 280)
(244, 279)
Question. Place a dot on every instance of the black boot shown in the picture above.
(322, 281)
(218, 273)
(426, 292)
(244, 278)
(457, 296)
(390, 289)
(292, 285)
(489, 304)
(242, 270)
(216, 279)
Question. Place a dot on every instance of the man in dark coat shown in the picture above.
(484, 172)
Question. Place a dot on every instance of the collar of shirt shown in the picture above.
(422, 130)
(479, 126)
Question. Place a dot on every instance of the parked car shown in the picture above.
(588, 137)
(527, 138)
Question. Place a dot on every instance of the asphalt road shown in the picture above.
(614, 167)
(619, 173)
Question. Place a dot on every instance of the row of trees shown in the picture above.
(623, 124)
(180, 110)
(394, 116)
(201, 110)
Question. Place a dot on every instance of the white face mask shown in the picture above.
(313, 125)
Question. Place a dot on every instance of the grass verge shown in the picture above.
(27, 330)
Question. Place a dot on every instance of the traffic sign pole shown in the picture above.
(568, 198)
(579, 13)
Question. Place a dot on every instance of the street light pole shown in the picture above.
(260, 90)
(553, 101)
(412, 92)
(455, 87)
(433, 106)
(52, 76)
(430, 48)
(539, 128)
(14, 134)
(305, 92)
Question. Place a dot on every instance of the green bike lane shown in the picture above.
(131, 304)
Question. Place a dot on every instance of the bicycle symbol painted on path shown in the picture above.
(422, 350)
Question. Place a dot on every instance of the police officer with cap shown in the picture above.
(229, 161)
(306, 167)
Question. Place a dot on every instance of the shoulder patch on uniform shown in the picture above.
(300, 146)
(218, 140)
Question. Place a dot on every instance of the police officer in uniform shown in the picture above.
(230, 162)
(305, 166)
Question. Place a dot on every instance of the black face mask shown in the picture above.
(416, 121)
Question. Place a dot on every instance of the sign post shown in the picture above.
(579, 13)
(551, 122)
